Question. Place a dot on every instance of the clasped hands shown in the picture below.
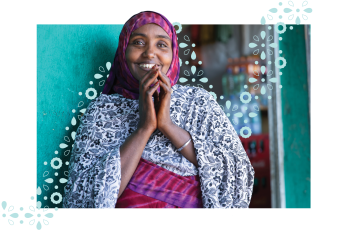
(155, 114)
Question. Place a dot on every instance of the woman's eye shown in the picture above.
(138, 42)
(162, 45)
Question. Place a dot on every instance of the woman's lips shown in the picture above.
(144, 68)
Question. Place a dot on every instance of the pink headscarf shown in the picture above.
(120, 79)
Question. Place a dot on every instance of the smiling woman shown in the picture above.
(141, 146)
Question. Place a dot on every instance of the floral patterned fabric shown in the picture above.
(226, 174)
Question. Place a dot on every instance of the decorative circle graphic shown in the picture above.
(245, 129)
(56, 201)
(277, 62)
(59, 161)
(94, 93)
(179, 27)
(245, 100)
(280, 24)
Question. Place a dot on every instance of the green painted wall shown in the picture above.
(68, 57)
(296, 119)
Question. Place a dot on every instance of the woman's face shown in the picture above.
(148, 45)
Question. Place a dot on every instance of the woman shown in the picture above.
(149, 142)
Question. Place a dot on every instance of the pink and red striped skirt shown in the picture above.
(152, 186)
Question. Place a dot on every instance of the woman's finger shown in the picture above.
(164, 78)
(148, 75)
(150, 80)
(152, 89)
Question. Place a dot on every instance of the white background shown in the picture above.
(18, 115)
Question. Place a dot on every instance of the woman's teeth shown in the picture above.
(147, 65)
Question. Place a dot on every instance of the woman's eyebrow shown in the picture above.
(157, 36)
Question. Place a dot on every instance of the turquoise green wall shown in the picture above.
(296, 119)
(68, 57)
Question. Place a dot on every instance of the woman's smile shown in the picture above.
(148, 45)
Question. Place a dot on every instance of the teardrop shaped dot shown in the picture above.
(263, 90)
(273, 45)
(183, 45)
(262, 34)
(239, 114)
(297, 20)
(228, 104)
(193, 69)
(308, 10)
(262, 69)
(262, 56)
(38, 226)
(49, 180)
(273, 80)
(263, 21)
(228, 114)
(98, 76)
(73, 135)
(273, 10)
(269, 97)
(4, 204)
(38, 191)
(204, 80)
(287, 10)
(252, 114)
(62, 146)
(252, 45)
(28, 215)
(63, 180)
(49, 215)
(108, 65)
(252, 80)
(193, 55)
(256, 97)
(73, 121)
(38, 204)
(183, 80)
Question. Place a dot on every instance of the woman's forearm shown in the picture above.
(130, 155)
(178, 137)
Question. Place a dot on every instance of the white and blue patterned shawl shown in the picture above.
(225, 172)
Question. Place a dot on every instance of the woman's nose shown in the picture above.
(149, 52)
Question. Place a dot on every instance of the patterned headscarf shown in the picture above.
(120, 79)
